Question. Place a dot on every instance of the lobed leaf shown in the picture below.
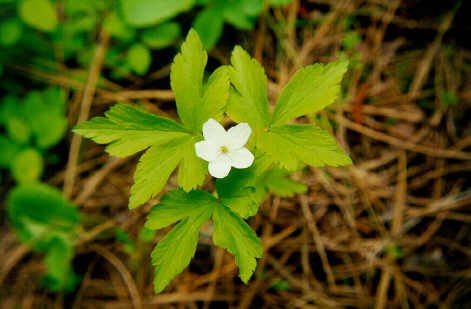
(235, 235)
(311, 89)
(295, 145)
(248, 100)
(129, 130)
(177, 205)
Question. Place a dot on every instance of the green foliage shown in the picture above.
(27, 166)
(168, 143)
(10, 32)
(162, 35)
(311, 89)
(39, 14)
(139, 58)
(47, 222)
(141, 13)
(236, 236)
(192, 210)
(33, 125)
(240, 91)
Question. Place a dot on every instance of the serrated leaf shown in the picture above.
(311, 89)
(209, 24)
(278, 182)
(129, 129)
(192, 170)
(237, 192)
(248, 101)
(27, 166)
(154, 169)
(197, 103)
(235, 235)
(142, 13)
(40, 14)
(162, 35)
(174, 252)
(295, 145)
(177, 205)
(139, 58)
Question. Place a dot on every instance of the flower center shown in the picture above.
(224, 149)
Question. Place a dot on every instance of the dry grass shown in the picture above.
(390, 231)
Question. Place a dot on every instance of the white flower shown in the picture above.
(224, 150)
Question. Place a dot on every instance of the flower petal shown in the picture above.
(206, 150)
(220, 167)
(241, 158)
(214, 132)
(238, 135)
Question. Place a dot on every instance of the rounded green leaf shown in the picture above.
(161, 36)
(40, 213)
(117, 27)
(10, 32)
(141, 13)
(28, 166)
(39, 14)
(209, 24)
(8, 151)
(139, 58)
(18, 130)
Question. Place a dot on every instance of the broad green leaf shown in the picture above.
(209, 24)
(311, 89)
(242, 13)
(116, 26)
(174, 252)
(39, 14)
(40, 213)
(186, 79)
(295, 145)
(177, 205)
(27, 166)
(59, 273)
(45, 114)
(216, 94)
(47, 222)
(278, 182)
(235, 235)
(139, 58)
(237, 192)
(129, 130)
(10, 32)
(248, 101)
(279, 2)
(192, 170)
(154, 169)
(18, 129)
(197, 103)
(143, 13)
(161, 36)
(8, 151)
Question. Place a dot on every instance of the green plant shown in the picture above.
(32, 126)
(47, 222)
(269, 145)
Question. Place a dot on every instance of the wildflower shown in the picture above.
(224, 149)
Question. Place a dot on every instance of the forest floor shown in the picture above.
(391, 231)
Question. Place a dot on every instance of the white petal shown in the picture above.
(206, 150)
(220, 167)
(239, 135)
(213, 131)
(241, 158)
